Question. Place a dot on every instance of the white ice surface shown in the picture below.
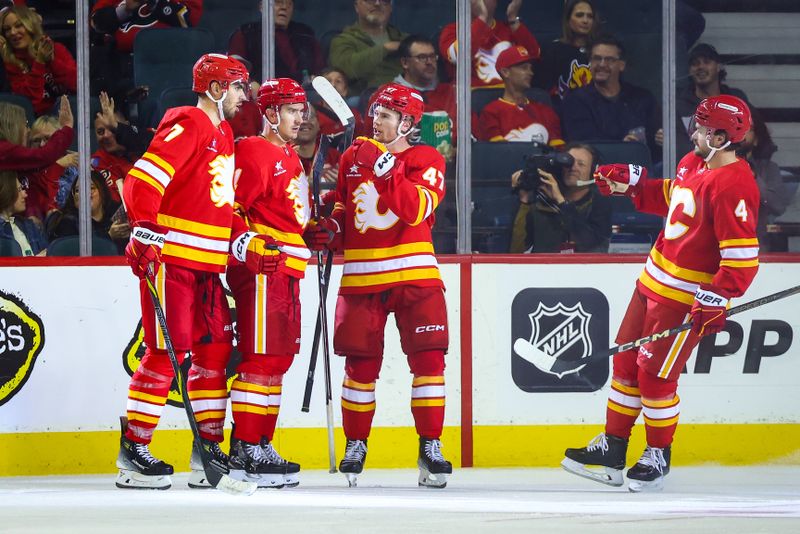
(707, 499)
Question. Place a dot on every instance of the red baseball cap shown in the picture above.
(512, 56)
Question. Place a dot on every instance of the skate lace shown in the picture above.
(355, 450)
(599, 442)
(653, 457)
(143, 451)
(433, 449)
(256, 454)
(272, 455)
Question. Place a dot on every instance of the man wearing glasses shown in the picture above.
(609, 108)
(367, 50)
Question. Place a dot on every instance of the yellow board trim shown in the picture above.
(388, 252)
(184, 225)
(54, 453)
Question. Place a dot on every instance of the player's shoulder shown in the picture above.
(189, 117)
(737, 176)
(422, 155)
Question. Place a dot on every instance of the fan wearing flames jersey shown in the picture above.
(273, 198)
(179, 196)
(385, 199)
(706, 255)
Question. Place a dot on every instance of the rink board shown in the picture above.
(739, 398)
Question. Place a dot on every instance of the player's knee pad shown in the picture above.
(253, 369)
(278, 364)
(155, 362)
(653, 387)
(427, 363)
(212, 355)
(363, 370)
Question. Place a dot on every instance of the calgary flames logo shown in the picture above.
(298, 193)
(485, 62)
(222, 168)
(367, 215)
(579, 75)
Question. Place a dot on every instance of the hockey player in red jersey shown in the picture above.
(706, 255)
(273, 197)
(385, 200)
(179, 196)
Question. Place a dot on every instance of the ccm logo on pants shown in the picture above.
(429, 328)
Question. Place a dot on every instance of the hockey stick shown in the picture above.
(543, 361)
(316, 173)
(215, 477)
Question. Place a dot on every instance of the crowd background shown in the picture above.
(545, 73)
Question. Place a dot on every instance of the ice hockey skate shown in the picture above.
(291, 470)
(604, 451)
(138, 469)
(197, 478)
(355, 454)
(433, 468)
(248, 462)
(649, 472)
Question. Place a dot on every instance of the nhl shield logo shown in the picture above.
(553, 333)
(558, 332)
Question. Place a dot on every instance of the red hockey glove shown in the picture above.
(708, 310)
(619, 179)
(144, 247)
(374, 155)
(259, 252)
(319, 234)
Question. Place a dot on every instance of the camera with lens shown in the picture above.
(546, 159)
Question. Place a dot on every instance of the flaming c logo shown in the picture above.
(222, 168)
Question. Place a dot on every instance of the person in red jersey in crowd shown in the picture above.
(36, 67)
(513, 116)
(179, 196)
(274, 198)
(706, 254)
(385, 199)
(489, 37)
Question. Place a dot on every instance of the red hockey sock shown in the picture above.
(147, 394)
(661, 408)
(358, 408)
(427, 392)
(207, 388)
(250, 397)
(624, 405)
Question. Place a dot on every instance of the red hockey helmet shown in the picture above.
(725, 112)
(400, 98)
(279, 91)
(217, 68)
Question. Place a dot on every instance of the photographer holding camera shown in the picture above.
(560, 210)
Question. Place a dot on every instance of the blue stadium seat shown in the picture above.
(164, 58)
(70, 246)
(173, 97)
(9, 248)
(223, 21)
(21, 101)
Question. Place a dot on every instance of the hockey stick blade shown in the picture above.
(215, 477)
(560, 366)
(331, 96)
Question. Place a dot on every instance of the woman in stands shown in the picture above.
(36, 67)
(62, 223)
(564, 64)
(23, 231)
(15, 155)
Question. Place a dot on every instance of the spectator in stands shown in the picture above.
(706, 74)
(562, 215)
(105, 222)
(609, 108)
(14, 151)
(758, 148)
(44, 183)
(489, 37)
(306, 147)
(329, 124)
(36, 67)
(367, 50)
(119, 145)
(13, 195)
(116, 23)
(564, 64)
(513, 116)
(297, 52)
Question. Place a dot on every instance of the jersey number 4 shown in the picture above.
(434, 177)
